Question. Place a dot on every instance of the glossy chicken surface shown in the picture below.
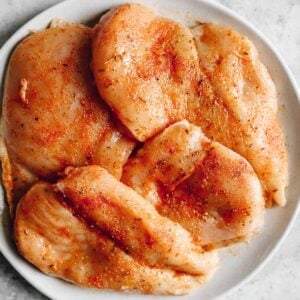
(52, 114)
(239, 106)
(132, 221)
(132, 150)
(85, 229)
(145, 67)
(156, 72)
(207, 188)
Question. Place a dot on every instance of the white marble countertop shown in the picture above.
(279, 20)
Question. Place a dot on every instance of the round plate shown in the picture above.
(239, 262)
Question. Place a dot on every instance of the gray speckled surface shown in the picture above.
(279, 20)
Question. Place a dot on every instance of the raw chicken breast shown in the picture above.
(151, 77)
(52, 114)
(132, 222)
(145, 68)
(239, 106)
(210, 190)
(78, 242)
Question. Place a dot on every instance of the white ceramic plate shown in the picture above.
(238, 262)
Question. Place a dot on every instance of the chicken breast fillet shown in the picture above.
(132, 222)
(144, 66)
(155, 71)
(239, 106)
(66, 239)
(210, 190)
(52, 114)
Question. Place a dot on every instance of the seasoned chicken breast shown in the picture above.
(87, 232)
(145, 68)
(132, 221)
(239, 108)
(156, 74)
(52, 114)
(210, 190)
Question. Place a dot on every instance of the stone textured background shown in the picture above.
(279, 20)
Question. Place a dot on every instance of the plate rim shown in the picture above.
(9, 43)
